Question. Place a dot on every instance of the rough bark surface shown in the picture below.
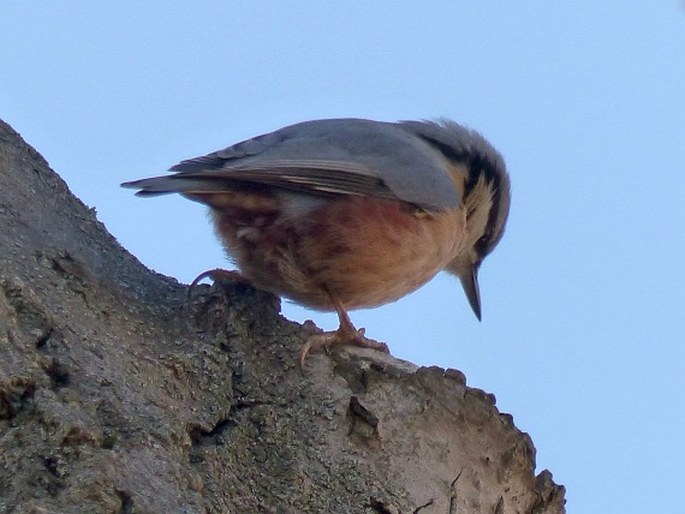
(117, 394)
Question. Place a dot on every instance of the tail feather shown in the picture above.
(155, 186)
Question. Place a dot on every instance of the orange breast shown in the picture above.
(365, 251)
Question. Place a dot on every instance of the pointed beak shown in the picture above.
(469, 281)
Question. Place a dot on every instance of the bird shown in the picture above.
(349, 213)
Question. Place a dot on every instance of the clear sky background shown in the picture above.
(582, 333)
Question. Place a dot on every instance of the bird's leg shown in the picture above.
(346, 334)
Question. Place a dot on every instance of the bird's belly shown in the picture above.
(365, 252)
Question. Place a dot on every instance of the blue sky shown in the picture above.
(582, 332)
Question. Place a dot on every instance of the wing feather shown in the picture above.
(339, 156)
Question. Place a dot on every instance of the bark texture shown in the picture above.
(117, 394)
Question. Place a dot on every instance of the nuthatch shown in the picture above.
(345, 214)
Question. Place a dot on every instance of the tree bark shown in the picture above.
(119, 394)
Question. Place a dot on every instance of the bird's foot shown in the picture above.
(217, 274)
(343, 336)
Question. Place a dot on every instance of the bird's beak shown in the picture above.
(469, 281)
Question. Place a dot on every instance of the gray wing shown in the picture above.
(338, 156)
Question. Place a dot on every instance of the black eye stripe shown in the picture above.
(495, 175)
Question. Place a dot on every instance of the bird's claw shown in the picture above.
(215, 275)
(339, 337)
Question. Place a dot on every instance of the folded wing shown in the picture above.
(323, 157)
